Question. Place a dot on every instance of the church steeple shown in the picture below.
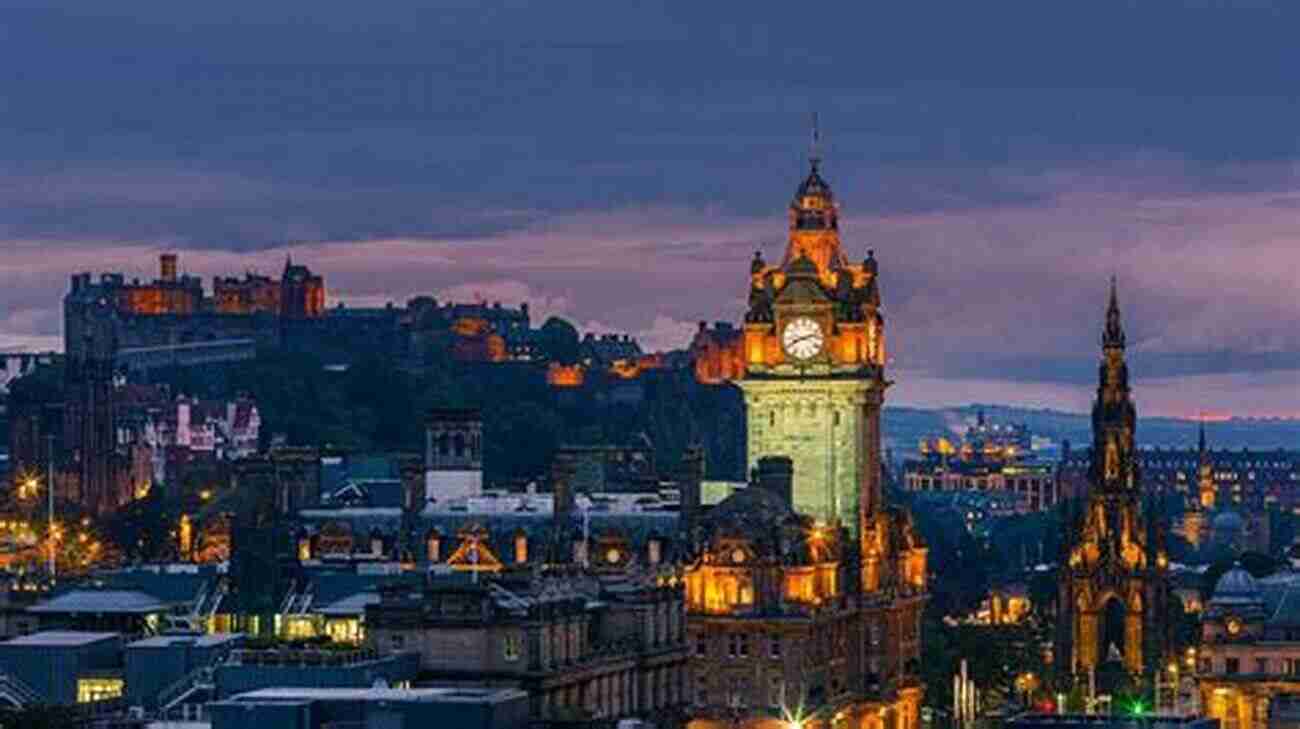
(1205, 473)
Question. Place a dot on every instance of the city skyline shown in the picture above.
(585, 176)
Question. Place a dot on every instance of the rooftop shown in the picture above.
(201, 641)
(58, 638)
(429, 695)
(351, 605)
(102, 602)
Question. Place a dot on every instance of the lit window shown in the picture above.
(90, 690)
(521, 548)
(513, 647)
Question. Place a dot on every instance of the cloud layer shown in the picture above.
(618, 165)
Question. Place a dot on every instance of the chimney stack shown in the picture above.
(692, 475)
(776, 474)
(562, 470)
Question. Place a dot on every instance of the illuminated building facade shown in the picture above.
(1114, 587)
(990, 457)
(1250, 649)
(298, 293)
(1246, 479)
(786, 620)
(814, 356)
(1209, 521)
(170, 293)
(252, 294)
(718, 353)
(805, 589)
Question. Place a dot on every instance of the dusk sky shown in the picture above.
(619, 163)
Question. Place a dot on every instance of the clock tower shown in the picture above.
(814, 355)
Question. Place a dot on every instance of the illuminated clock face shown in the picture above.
(803, 338)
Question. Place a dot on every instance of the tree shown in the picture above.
(558, 341)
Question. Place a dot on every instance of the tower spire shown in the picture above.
(1113, 334)
(814, 149)
(1200, 442)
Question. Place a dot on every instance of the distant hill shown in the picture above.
(905, 427)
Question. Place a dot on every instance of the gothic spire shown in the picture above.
(1114, 418)
(1113, 334)
(1200, 442)
(814, 151)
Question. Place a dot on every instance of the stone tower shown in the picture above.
(89, 426)
(453, 454)
(814, 356)
(1113, 587)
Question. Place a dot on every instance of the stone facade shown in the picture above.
(823, 426)
(1249, 657)
(579, 648)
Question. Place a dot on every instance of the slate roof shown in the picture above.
(202, 641)
(374, 492)
(351, 605)
(637, 527)
(121, 602)
(60, 638)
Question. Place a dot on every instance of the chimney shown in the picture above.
(692, 475)
(167, 267)
(562, 470)
(776, 474)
